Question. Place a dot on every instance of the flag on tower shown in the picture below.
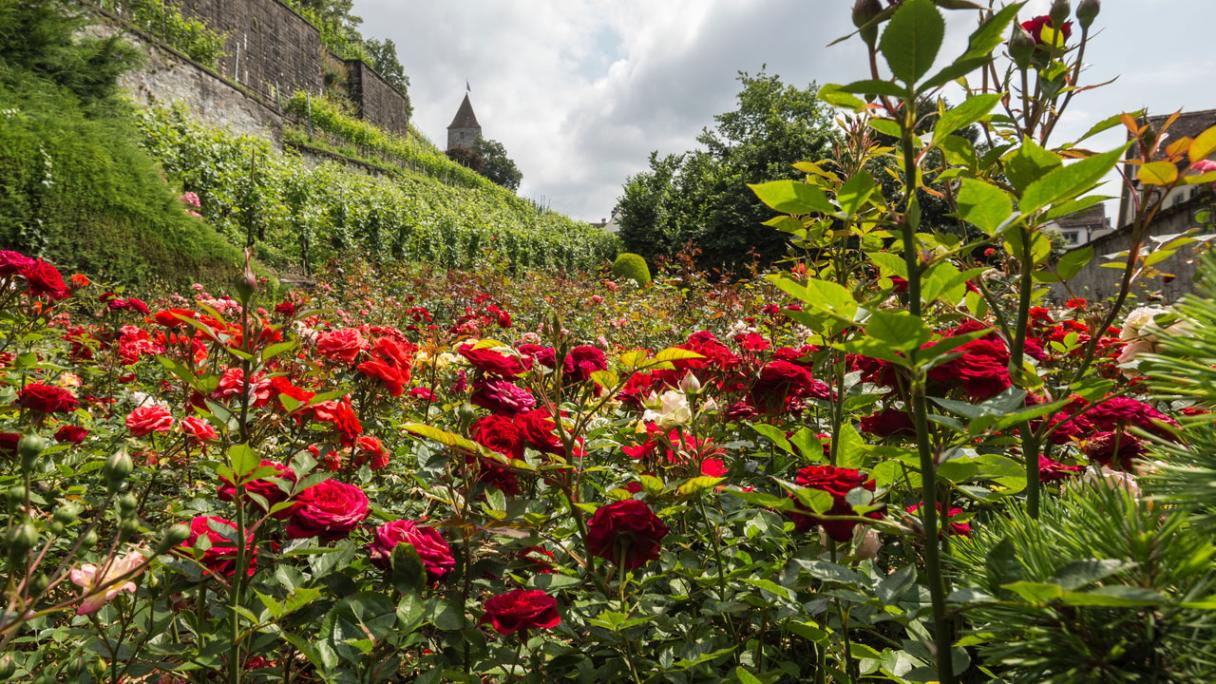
(468, 88)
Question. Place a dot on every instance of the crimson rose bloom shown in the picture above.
(1035, 28)
(340, 345)
(962, 529)
(1054, 471)
(545, 356)
(198, 430)
(537, 428)
(265, 488)
(71, 434)
(431, 547)
(626, 532)
(12, 262)
(888, 422)
(498, 433)
(783, 381)
(329, 510)
(1115, 449)
(838, 482)
(145, 420)
(1116, 412)
(521, 609)
(46, 399)
(502, 397)
(492, 363)
(581, 362)
(43, 279)
(220, 557)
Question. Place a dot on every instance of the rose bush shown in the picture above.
(892, 460)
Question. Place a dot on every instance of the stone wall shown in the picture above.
(167, 77)
(269, 47)
(1096, 283)
(375, 100)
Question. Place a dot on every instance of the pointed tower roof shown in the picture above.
(465, 118)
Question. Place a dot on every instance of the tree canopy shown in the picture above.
(701, 196)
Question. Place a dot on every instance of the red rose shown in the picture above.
(838, 482)
(1116, 449)
(371, 451)
(198, 430)
(169, 318)
(502, 397)
(13, 262)
(982, 368)
(329, 510)
(220, 557)
(1035, 28)
(43, 279)
(537, 428)
(285, 307)
(430, 546)
(781, 382)
(493, 363)
(539, 558)
(46, 399)
(145, 420)
(1054, 471)
(582, 361)
(959, 528)
(888, 422)
(340, 345)
(342, 416)
(268, 489)
(626, 532)
(138, 304)
(545, 356)
(498, 433)
(71, 434)
(393, 378)
(521, 609)
(9, 441)
(1116, 412)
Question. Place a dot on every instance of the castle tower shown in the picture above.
(464, 129)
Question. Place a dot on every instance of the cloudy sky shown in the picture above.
(580, 91)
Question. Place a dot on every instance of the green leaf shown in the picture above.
(1117, 596)
(1068, 181)
(1029, 163)
(984, 206)
(832, 94)
(912, 39)
(1203, 146)
(809, 630)
(874, 87)
(853, 195)
(889, 263)
(1080, 573)
(699, 484)
(887, 127)
(773, 434)
(851, 447)
(243, 460)
(1071, 262)
(898, 329)
(1157, 173)
(408, 573)
(1036, 593)
(971, 110)
(793, 197)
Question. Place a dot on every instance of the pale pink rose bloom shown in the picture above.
(1203, 166)
(86, 577)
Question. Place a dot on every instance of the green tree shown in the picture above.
(383, 56)
(497, 166)
(702, 196)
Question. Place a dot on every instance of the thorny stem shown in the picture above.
(929, 494)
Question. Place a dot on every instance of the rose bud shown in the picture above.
(1059, 12)
(865, 11)
(1087, 11)
(1021, 47)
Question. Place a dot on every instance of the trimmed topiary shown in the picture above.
(633, 267)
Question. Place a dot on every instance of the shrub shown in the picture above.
(165, 21)
(633, 267)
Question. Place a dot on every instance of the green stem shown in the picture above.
(928, 469)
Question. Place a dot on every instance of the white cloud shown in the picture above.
(580, 91)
